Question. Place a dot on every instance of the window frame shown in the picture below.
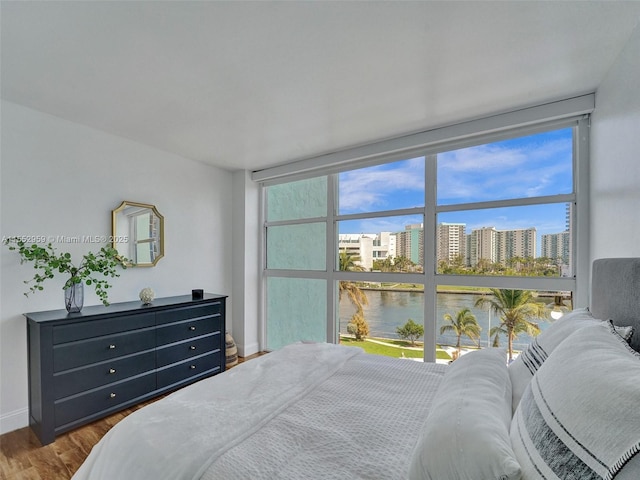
(577, 284)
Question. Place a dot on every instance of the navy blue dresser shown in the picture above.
(87, 365)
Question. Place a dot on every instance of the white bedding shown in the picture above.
(313, 411)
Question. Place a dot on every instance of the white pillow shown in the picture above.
(579, 416)
(522, 369)
(466, 435)
(529, 361)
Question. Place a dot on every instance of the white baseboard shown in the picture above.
(250, 349)
(14, 420)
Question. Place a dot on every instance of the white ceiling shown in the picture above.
(246, 85)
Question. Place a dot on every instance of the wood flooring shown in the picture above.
(23, 458)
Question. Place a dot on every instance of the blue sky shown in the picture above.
(524, 167)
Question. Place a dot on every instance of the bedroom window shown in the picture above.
(506, 207)
(427, 234)
(295, 237)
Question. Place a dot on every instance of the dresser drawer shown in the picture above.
(194, 367)
(183, 313)
(108, 397)
(87, 365)
(86, 352)
(185, 329)
(96, 375)
(177, 352)
(97, 328)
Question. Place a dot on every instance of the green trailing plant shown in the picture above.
(95, 269)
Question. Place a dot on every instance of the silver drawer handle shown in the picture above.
(112, 395)
(112, 346)
(192, 347)
(112, 370)
(192, 328)
(193, 367)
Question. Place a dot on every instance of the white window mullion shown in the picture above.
(580, 231)
(262, 259)
(331, 252)
(429, 249)
(518, 202)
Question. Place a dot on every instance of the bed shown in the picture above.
(567, 407)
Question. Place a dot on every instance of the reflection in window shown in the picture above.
(145, 235)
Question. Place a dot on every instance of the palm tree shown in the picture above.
(402, 264)
(465, 323)
(516, 309)
(356, 296)
(358, 326)
(348, 261)
(384, 265)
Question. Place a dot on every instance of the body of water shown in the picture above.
(388, 310)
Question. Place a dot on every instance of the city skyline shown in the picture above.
(453, 242)
(541, 162)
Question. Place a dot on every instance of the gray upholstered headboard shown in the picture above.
(615, 293)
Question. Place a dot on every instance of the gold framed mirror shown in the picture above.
(138, 233)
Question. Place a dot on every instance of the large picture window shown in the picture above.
(429, 255)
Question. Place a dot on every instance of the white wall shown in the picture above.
(61, 178)
(615, 158)
(246, 264)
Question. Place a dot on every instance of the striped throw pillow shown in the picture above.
(531, 359)
(579, 415)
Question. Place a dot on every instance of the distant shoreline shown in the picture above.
(456, 292)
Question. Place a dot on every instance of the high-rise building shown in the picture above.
(482, 245)
(556, 246)
(567, 268)
(409, 243)
(515, 243)
(493, 245)
(450, 241)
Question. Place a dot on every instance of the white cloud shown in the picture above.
(381, 224)
(513, 169)
(487, 172)
(378, 188)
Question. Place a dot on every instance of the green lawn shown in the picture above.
(391, 350)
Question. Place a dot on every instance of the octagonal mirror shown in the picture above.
(138, 233)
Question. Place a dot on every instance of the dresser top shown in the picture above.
(122, 307)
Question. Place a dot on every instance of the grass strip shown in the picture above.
(392, 349)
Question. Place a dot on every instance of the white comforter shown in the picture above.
(306, 411)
